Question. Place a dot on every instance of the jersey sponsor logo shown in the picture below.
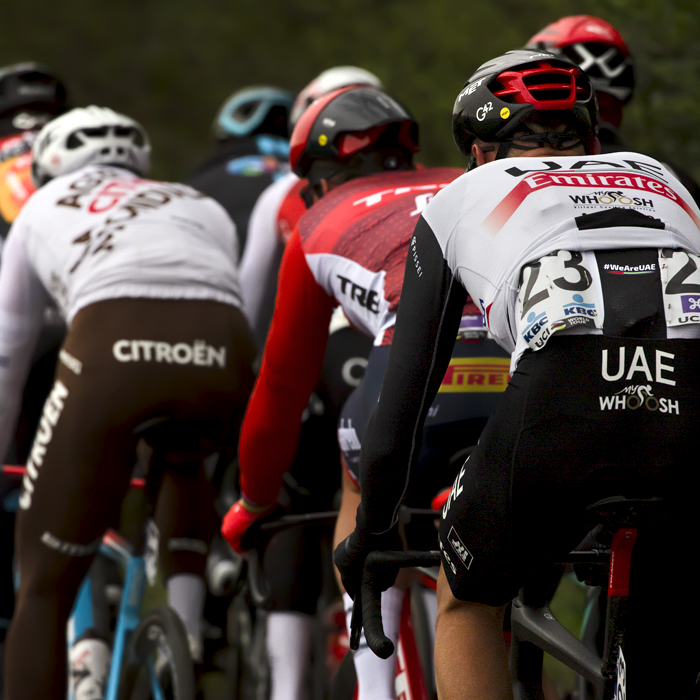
(476, 374)
(199, 353)
(101, 237)
(649, 362)
(253, 166)
(369, 299)
(81, 188)
(610, 198)
(465, 556)
(53, 408)
(73, 363)
(637, 396)
(613, 269)
(534, 181)
(455, 491)
(690, 302)
(447, 557)
(421, 200)
(577, 307)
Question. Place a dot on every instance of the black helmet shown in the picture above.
(30, 87)
(348, 121)
(509, 89)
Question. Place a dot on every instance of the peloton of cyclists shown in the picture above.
(355, 147)
(145, 275)
(593, 299)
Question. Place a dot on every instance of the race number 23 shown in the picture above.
(575, 278)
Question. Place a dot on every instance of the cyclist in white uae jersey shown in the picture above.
(586, 266)
(145, 275)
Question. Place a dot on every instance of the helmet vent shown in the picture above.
(543, 86)
(73, 142)
(95, 132)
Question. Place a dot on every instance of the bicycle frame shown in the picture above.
(535, 629)
(117, 549)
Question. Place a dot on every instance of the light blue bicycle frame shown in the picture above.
(117, 549)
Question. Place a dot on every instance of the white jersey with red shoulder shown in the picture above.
(355, 241)
(101, 232)
(519, 234)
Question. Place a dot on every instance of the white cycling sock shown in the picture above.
(375, 676)
(186, 593)
(289, 652)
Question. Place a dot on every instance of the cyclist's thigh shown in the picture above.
(193, 366)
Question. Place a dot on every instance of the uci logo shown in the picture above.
(483, 111)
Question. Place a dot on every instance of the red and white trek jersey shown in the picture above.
(350, 250)
(499, 226)
(103, 233)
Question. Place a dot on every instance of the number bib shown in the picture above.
(556, 293)
(680, 278)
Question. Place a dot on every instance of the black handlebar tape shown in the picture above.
(371, 594)
(367, 610)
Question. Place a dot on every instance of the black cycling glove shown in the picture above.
(351, 553)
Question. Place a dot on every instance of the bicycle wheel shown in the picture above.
(157, 662)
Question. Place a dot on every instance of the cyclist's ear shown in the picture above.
(480, 154)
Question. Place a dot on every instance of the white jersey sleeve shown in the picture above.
(263, 252)
(23, 300)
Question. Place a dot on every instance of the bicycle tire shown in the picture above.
(159, 639)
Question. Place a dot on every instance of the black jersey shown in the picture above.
(237, 174)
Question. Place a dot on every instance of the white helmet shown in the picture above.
(329, 80)
(87, 135)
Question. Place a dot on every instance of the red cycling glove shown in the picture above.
(239, 518)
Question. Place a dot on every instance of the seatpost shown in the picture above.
(618, 597)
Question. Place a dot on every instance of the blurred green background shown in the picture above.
(170, 63)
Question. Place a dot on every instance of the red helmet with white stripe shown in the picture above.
(596, 47)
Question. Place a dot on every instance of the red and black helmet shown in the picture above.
(507, 90)
(596, 47)
(348, 121)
